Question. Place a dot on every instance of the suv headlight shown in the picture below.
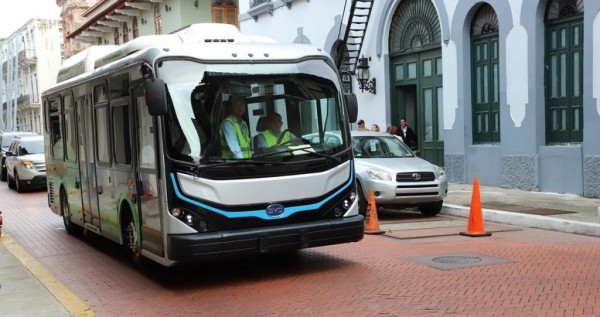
(379, 175)
(441, 174)
(27, 164)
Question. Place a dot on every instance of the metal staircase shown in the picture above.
(360, 13)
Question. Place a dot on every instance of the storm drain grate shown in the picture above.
(457, 260)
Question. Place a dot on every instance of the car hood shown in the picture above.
(395, 165)
(32, 157)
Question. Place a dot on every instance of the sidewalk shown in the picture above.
(551, 211)
(28, 289)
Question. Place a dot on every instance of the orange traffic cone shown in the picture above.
(372, 221)
(475, 225)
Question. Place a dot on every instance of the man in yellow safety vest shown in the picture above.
(235, 136)
(273, 135)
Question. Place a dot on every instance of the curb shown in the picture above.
(73, 304)
(530, 221)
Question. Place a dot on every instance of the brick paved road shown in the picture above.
(550, 274)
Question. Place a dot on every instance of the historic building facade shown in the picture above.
(30, 60)
(495, 89)
(71, 15)
(114, 22)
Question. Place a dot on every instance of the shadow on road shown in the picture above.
(237, 270)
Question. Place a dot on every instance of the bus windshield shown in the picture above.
(276, 112)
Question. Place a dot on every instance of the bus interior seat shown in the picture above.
(261, 125)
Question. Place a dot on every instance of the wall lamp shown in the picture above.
(196, 4)
(144, 21)
(167, 8)
(362, 76)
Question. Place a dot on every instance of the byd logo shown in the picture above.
(275, 210)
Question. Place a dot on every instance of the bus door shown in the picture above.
(98, 155)
(70, 175)
(147, 175)
(87, 177)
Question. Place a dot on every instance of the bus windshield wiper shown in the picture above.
(239, 162)
(292, 151)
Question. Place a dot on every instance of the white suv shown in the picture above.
(25, 163)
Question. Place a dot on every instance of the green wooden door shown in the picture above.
(418, 96)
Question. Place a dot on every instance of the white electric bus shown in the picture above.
(134, 146)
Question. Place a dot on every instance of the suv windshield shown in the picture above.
(34, 146)
(280, 112)
(7, 138)
(379, 147)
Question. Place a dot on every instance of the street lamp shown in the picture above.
(362, 76)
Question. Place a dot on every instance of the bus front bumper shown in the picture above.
(213, 245)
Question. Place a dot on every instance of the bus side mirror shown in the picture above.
(156, 96)
(351, 107)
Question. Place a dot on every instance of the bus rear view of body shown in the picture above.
(139, 146)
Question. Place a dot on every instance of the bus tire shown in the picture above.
(65, 211)
(130, 237)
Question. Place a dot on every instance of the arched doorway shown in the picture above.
(564, 71)
(416, 75)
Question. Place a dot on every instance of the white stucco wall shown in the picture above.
(596, 63)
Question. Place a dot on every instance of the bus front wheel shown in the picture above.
(130, 239)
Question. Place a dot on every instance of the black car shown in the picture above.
(6, 138)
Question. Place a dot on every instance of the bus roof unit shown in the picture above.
(97, 56)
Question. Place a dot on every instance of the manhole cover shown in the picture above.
(457, 259)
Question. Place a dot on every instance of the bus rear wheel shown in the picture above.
(70, 227)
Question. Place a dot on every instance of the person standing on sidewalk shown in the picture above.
(408, 135)
(361, 125)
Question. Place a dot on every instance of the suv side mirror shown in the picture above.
(9, 153)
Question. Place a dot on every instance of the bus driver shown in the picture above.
(272, 136)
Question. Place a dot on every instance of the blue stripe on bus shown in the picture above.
(262, 212)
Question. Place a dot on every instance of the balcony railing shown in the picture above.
(23, 99)
(27, 57)
(254, 3)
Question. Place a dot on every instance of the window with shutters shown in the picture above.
(225, 11)
(485, 95)
(564, 71)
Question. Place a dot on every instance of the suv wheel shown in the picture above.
(19, 185)
(362, 201)
(431, 209)
(11, 182)
(3, 173)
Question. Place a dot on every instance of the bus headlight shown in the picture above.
(342, 207)
(190, 218)
(176, 212)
